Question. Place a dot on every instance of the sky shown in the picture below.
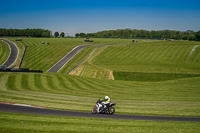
(90, 16)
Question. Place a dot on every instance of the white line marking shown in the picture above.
(77, 53)
(69, 59)
(62, 58)
(192, 51)
(10, 51)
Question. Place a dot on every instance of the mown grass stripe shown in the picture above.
(64, 82)
(4, 52)
(76, 84)
(1, 76)
(11, 82)
(148, 54)
(45, 84)
(19, 97)
(24, 81)
(31, 82)
(32, 52)
(57, 83)
(3, 80)
(155, 53)
(45, 95)
(143, 52)
(153, 77)
(51, 83)
(37, 81)
(18, 84)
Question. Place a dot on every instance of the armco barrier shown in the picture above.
(22, 70)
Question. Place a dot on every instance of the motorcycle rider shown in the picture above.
(103, 103)
(106, 102)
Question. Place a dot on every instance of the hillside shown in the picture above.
(178, 96)
(164, 58)
(42, 57)
(60, 91)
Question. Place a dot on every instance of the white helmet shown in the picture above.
(106, 97)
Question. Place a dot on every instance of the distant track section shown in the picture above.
(42, 111)
(66, 58)
(91, 54)
(13, 53)
(71, 54)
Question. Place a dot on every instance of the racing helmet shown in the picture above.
(106, 97)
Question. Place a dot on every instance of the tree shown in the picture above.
(62, 34)
(46, 34)
(56, 34)
(82, 35)
(77, 35)
(198, 36)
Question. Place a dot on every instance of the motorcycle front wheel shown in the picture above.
(111, 110)
(94, 110)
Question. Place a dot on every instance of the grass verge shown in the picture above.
(11, 122)
(4, 52)
(152, 77)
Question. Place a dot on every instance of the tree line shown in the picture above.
(25, 32)
(29, 33)
(144, 34)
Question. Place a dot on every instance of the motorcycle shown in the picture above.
(108, 110)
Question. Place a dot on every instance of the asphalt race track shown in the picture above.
(71, 54)
(42, 111)
(66, 58)
(13, 54)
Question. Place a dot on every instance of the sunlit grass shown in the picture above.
(42, 56)
(4, 52)
(151, 57)
(172, 98)
(37, 123)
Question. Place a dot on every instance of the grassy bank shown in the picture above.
(37, 123)
(151, 77)
(143, 61)
(4, 52)
(151, 57)
(169, 98)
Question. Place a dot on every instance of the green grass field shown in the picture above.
(152, 57)
(4, 52)
(151, 78)
(169, 98)
(42, 57)
(143, 61)
(20, 123)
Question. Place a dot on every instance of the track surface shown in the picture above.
(13, 54)
(42, 111)
(71, 54)
(66, 58)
